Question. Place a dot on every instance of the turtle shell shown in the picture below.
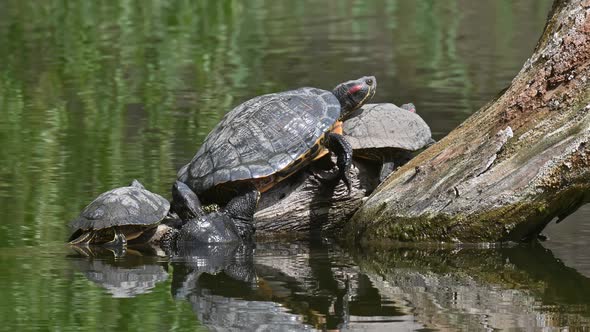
(386, 126)
(133, 208)
(267, 137)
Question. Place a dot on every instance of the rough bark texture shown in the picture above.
(509, 169)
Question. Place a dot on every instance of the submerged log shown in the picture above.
(512, 167)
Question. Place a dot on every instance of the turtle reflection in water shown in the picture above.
(124, 274)
(270, 137)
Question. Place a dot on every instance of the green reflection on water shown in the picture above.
(42, 291)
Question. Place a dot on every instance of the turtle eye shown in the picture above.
(369, 81)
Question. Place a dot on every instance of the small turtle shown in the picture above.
(119, 215)
(268, 138)
(135, 214)
(386, 133)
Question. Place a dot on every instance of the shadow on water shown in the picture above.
(306, 286)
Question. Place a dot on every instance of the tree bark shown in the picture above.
(509, 169)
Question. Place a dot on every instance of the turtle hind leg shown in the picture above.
(392, 161)
(118, 240)
(241, 210)
(343, 150)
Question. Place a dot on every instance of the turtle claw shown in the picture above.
(332, 178)
(118, 240)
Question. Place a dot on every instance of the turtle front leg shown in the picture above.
(386, 169)
(118, 240)
(343, 150)
(392, 161)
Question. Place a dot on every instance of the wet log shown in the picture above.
(512, 167)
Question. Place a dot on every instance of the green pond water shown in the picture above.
(96, 93)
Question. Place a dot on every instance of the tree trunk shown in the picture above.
(509, 169)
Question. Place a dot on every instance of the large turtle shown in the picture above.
(268, 138)
(386, 133)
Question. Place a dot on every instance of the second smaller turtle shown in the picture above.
(386, 133)
(119, 215)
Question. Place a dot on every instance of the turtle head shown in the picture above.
(185, 202)
(354, 94)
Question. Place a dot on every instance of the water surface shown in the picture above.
(93, 95)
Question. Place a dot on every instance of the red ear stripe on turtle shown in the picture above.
(355, 89)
